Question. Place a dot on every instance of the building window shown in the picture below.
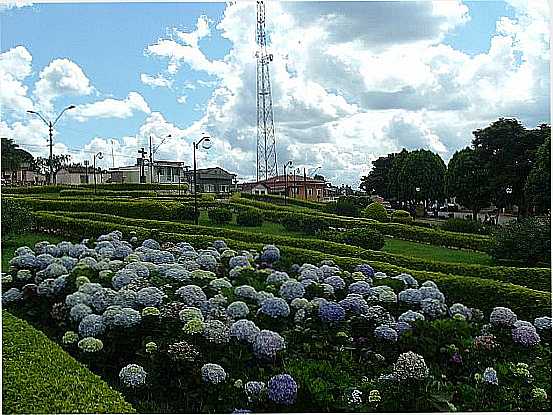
(161, 171)
(310, 192)
(318, 192)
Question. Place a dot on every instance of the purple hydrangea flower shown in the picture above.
(526, 336)
(275, 308)
(365, 269)
(385, 332)
(331, 312)
(283, 389)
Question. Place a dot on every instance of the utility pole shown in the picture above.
(142, 175)
(304, 184)
(151, 162)
(51, 125)
(86, 169)
(112, 156)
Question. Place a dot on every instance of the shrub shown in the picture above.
(363, 237)
(376, 211)
(208, 197)
(40, 377)
(249, 217)
(527, 241)
(16, 216)
(186, 212)
(220, 215)
(292, 222)
(401, 216)
(466, 226)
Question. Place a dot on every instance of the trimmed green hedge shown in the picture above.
(375, 211)
(34, 189)
(397, 230)
(38, 376)
(279, 200)
(104, 186)
(537, 278)
(474, 292)
(149, 209)
(89, 192)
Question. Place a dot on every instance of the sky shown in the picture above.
(351, 81)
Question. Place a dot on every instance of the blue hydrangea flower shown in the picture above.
(275, 308)
(207, 262)
(238, 309)
(139, 268)
(192, 295)
(331, 312)
(431, 292)
(277, 278)
(220, 284)
(11, 296)
(239, 261)
(92, 325)
(355, 304)
(526, 336)
(328, 270)
(291, 289)
(213, 373)
(151, 244)
(126, 298)
(282, 389)
(255, 391)
(543, 323)
(220, 245)
(502, 317)
(458, 308)
(385, 332)
(122, 278)
(133, 376)
(216, 332)
(121, 317)
(384, 294)
(150, 297)
(244, 331)
(267, 344)
(365, 269)
(246, 292)
(24, 250)
(262, 296)
(270, 254)
(79, 311)
(408, 280)
(433, 308)
(402, 327)
(411, 296)
(411, 316)
(336, 282)
(490, 376)
(102, 299)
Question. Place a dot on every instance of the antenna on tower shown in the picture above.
(266, 149)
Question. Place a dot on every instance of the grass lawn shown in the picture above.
(12, 242)
(435, 253)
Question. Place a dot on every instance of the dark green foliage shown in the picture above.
(279, 200)
(362, 237)
(467, 181)
(307, 224)
(13, 156)
(375, 211)
(16, 217)
(377, 181)
(186, 212)
(40, 377)
(401, 216)
(475, 292)
(292, 222)
(344, 206)
(537, 278)
(466, 226)
(34, 189)
(527, 241)
(425, 171)
(538, 184)
(219, 215)
(249, 217)
(100, 192)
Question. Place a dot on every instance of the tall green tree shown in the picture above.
(538, 184)
(377, 179)
(396, 189)
(422, 176)
(13, 157)
(467, 181)
(507, 150)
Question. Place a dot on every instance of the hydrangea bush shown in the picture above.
(181, 329)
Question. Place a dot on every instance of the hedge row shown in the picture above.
(474, 292)
(536, 278)
(40, 377)
(115, 193)
(397, 230)
(148, 209)
(279, 200)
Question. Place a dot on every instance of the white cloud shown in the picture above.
(112, 108)
(15, 66)
(182, 99)
(12, 4)
(156, 81)
(61, 77)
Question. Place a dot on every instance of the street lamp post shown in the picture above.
(86, 162)
(100, 156)
(289, 164)
(50, 126)
(206, 145)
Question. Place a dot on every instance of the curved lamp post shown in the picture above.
(100, 156)
(289, 164)
(205, 141)
(50, 126)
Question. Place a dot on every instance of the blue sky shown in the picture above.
(108, 42)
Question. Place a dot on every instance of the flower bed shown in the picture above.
(536, 278)
(177, 328)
